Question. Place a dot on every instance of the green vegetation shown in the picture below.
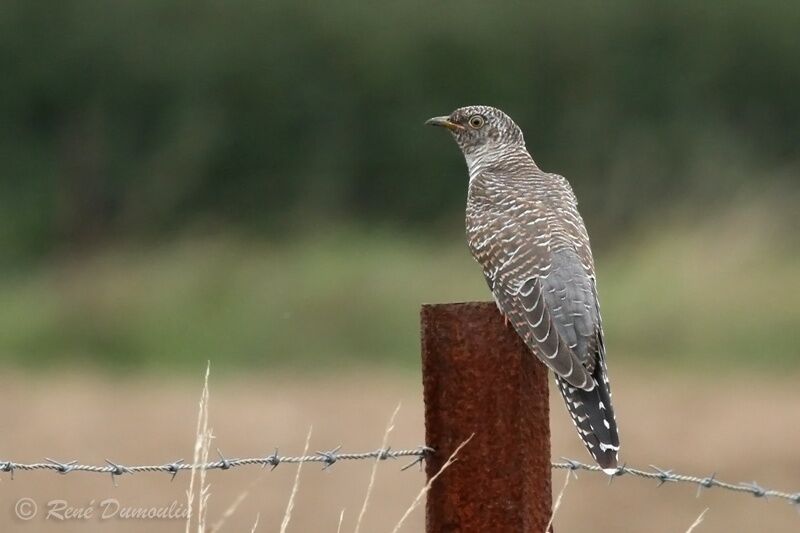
(131, 130)
(715, 296)
(325, 301)
(131, 118)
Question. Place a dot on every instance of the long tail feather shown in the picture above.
(593, 416)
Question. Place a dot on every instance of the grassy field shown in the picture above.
(102, 357)
(706, 295)
(741, 427)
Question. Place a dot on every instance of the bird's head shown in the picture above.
(480, 127)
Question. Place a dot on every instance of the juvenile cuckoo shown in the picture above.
(524, 229)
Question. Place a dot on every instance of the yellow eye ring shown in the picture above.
(476, 122)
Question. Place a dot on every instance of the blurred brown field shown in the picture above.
(741, 427)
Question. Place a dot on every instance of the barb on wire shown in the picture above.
(665, 476)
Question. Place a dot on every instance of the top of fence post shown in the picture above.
(480, 378)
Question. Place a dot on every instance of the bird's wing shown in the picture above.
(535, 255)
(592, 411)
(558, 316)
(554, 314)
(544, 300)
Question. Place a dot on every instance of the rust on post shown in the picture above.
(480, 378)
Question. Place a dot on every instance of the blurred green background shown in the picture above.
(250, 182)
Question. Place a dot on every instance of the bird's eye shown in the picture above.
(476, 121)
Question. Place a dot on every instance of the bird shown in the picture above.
(524, 229)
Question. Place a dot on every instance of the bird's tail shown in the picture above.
(593, 415)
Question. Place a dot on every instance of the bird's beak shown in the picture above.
(444, 122)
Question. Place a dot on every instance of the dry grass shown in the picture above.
(697, 521)
(287, 515)
(741, 427)
(424, 490)
(234, 506)
(557, 503)
(384, 445)
(202, 444)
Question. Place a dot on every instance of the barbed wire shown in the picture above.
(419, 454)
(668, 476)
(328, 458)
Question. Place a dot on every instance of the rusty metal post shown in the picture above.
(479, 378)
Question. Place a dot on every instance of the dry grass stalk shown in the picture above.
(205, 489)
(341, 517)
(389, 428)
(427, 487)
(558, 502)
(201, 445)
(698, 521)
(204, 492)
(255, 524)
(287, 516)
(235, 505)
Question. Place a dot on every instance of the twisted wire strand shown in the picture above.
(418, 454)
(668, 476)
(328, 458)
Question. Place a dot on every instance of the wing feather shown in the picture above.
(529, 314)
